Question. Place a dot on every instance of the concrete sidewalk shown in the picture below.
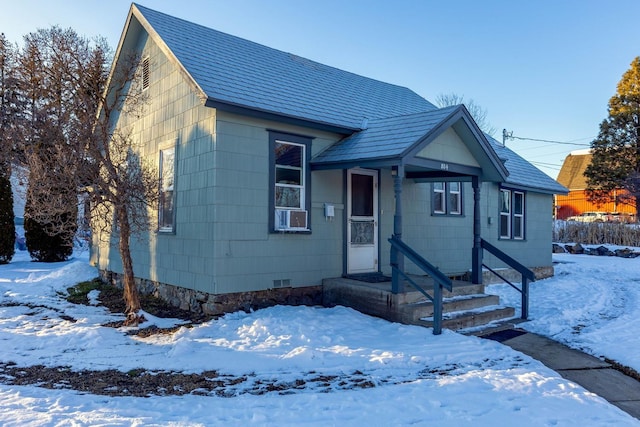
(593, 374)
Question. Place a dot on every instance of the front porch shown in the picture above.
(446, 147)
(466, 306)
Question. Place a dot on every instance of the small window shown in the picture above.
(512, 214)
(447, 198)
(166, 210)
(290, 202)
(145, 73)
(289, 169)
(439, 206)
(505, 214)
(518, 215)
(455, 198)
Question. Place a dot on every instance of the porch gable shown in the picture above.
(441, 142)
(449, 146)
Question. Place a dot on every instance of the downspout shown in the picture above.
(397, 259)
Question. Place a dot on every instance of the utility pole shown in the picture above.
(506, 135)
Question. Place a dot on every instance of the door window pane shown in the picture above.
(361, 195)
(362, 232)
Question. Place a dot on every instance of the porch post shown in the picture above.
(397, 259)
(476, 254)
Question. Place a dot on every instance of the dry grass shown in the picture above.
(612, 233)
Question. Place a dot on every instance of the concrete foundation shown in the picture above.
(467, 302)
(215, 305)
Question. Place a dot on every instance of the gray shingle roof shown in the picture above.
(524, 174)
(385, 138)
(239, 72)
(236, 72)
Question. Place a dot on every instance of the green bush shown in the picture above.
(7, 226)
(43, 244)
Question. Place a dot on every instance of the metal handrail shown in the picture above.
(527, 275)
(440, 280)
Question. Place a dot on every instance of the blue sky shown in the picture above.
(542, 69)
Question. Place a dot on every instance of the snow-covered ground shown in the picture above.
(591, 304)
(417, 378)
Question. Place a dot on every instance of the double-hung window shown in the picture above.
(290, 187)
(447, 198)
(290, 179)
(166, 210)
(512, 214)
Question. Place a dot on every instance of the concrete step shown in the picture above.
(413, 312)
(376, 299)
(472, 318)
(459, 289)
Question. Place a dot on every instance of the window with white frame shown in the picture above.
(290, 199)
(439, 198)
(455, 198)
(518, 215)
(447, 198)
(166, 203)
(289, 170)
(512, 214)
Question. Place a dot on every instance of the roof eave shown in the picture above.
(378, 162)
(282, 118)
(542, 190)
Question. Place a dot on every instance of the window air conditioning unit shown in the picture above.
(290, 220)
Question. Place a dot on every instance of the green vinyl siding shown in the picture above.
(253, 257)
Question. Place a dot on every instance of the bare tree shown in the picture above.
(52, 67)
(74, 142)
(478, 113)
(124, 186)
(7, 110)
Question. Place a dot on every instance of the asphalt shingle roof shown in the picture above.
(571, 174)
(384, 138)
(239, 72)
(524, 174)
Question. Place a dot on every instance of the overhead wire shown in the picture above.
(551, 141)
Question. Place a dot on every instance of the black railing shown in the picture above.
(439, 279)
(527, 275)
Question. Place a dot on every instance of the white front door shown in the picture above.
(362, 221)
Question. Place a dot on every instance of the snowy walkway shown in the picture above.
(598, 376)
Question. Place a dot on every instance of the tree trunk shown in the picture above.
(131, 299)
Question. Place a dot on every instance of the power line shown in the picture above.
(545, 164)
(509, 135)
(554, 142)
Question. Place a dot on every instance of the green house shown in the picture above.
(279, 173)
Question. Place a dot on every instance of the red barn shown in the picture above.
(571, 175)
